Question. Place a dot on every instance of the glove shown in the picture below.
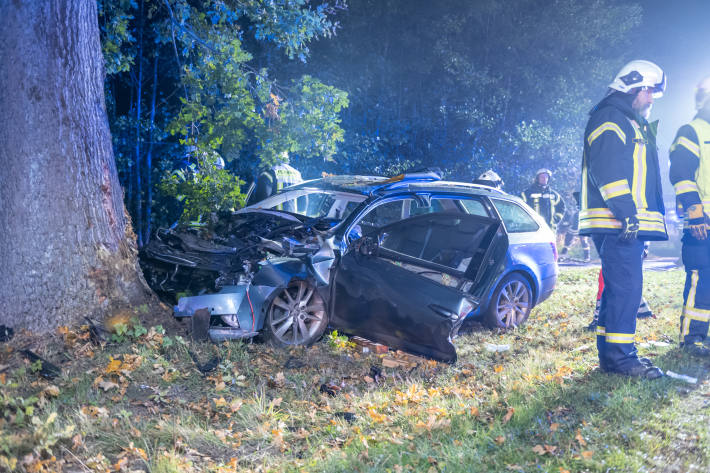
(629, 228)
(696, 222)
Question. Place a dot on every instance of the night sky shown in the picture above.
(676, 36)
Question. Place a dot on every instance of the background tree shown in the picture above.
(214, 92)
(67, 246)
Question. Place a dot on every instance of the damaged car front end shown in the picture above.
(408, 284)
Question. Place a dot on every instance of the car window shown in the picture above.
(435, 205)
(383, 214)
(313, 203)
(444, 239)
(474, 207)
(515, 218)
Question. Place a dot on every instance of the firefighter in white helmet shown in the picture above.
(545, 200)
(490, 178)
(621, 207)
(690, 176)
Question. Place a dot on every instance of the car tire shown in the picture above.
(296, 315)
(510, 304)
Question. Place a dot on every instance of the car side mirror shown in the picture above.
(367, 246)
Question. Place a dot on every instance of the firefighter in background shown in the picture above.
(570, 223)
(490, 178)
(622, 206)
(690, 176)
(544, 200)
(271, 180)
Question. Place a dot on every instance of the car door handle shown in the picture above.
(442, 311)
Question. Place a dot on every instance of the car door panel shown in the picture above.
(378, 297)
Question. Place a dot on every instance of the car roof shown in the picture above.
(370, 185)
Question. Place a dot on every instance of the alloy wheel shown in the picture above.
(297, 314)
(513, 304)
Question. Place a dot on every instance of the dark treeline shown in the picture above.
(374, 86)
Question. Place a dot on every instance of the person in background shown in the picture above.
(490, 178)
(570, 223)
(272, 180)
(544, 200)
(690, 176)
(621, 207)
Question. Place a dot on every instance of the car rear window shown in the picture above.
(515, 218)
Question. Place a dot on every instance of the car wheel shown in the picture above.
(296, 315)
(511, 303)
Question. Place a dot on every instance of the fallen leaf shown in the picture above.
(539, 449)
(508, 415)
(498, 368)
(554, 426)
(107, 385)
(587, 453)
(51, 390)
(580, 439)
(500, 440)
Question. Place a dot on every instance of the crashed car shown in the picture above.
(400, 261)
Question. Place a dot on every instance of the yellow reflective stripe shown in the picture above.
(620, 337)
(615, 189)
(690, 303)
(639, 182)
(601, 330)
(683, 187)
(596, 212)
(606, 126)
(687, 144)
(599, 223)
(696, 314)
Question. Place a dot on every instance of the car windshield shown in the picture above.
(313, 203)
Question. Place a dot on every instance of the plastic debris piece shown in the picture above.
(682, 377)
(493, 348)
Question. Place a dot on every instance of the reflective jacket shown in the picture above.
(546, 202)
(270, 181)
(690, 165)
(620, 172)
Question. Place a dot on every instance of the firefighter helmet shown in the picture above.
(640, 73)
(489, 175)
(543, 171)
(702, 94)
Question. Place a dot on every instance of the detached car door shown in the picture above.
(411, 286)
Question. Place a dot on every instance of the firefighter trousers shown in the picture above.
(696, 294)
(622, 270)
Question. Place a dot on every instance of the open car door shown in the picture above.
(411, 286)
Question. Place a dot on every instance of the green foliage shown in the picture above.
(338, 341)
(203, 190)
(128, 332)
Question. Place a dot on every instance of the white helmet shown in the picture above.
(702, 94)
(489, 175)
(543, 171)
(640, 73)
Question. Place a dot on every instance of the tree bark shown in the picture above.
(67, 248)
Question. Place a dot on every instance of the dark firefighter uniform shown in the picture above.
(546, 202)
(690, 176)
(271, 181)
(620, 180)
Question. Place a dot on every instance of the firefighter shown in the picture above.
(544, 200)
(690, 176)
(490, 178)
(571, 230)
(273, 179)
(622, 207)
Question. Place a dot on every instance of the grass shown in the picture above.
(541, 406)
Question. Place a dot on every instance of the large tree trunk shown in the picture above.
(66, 245)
